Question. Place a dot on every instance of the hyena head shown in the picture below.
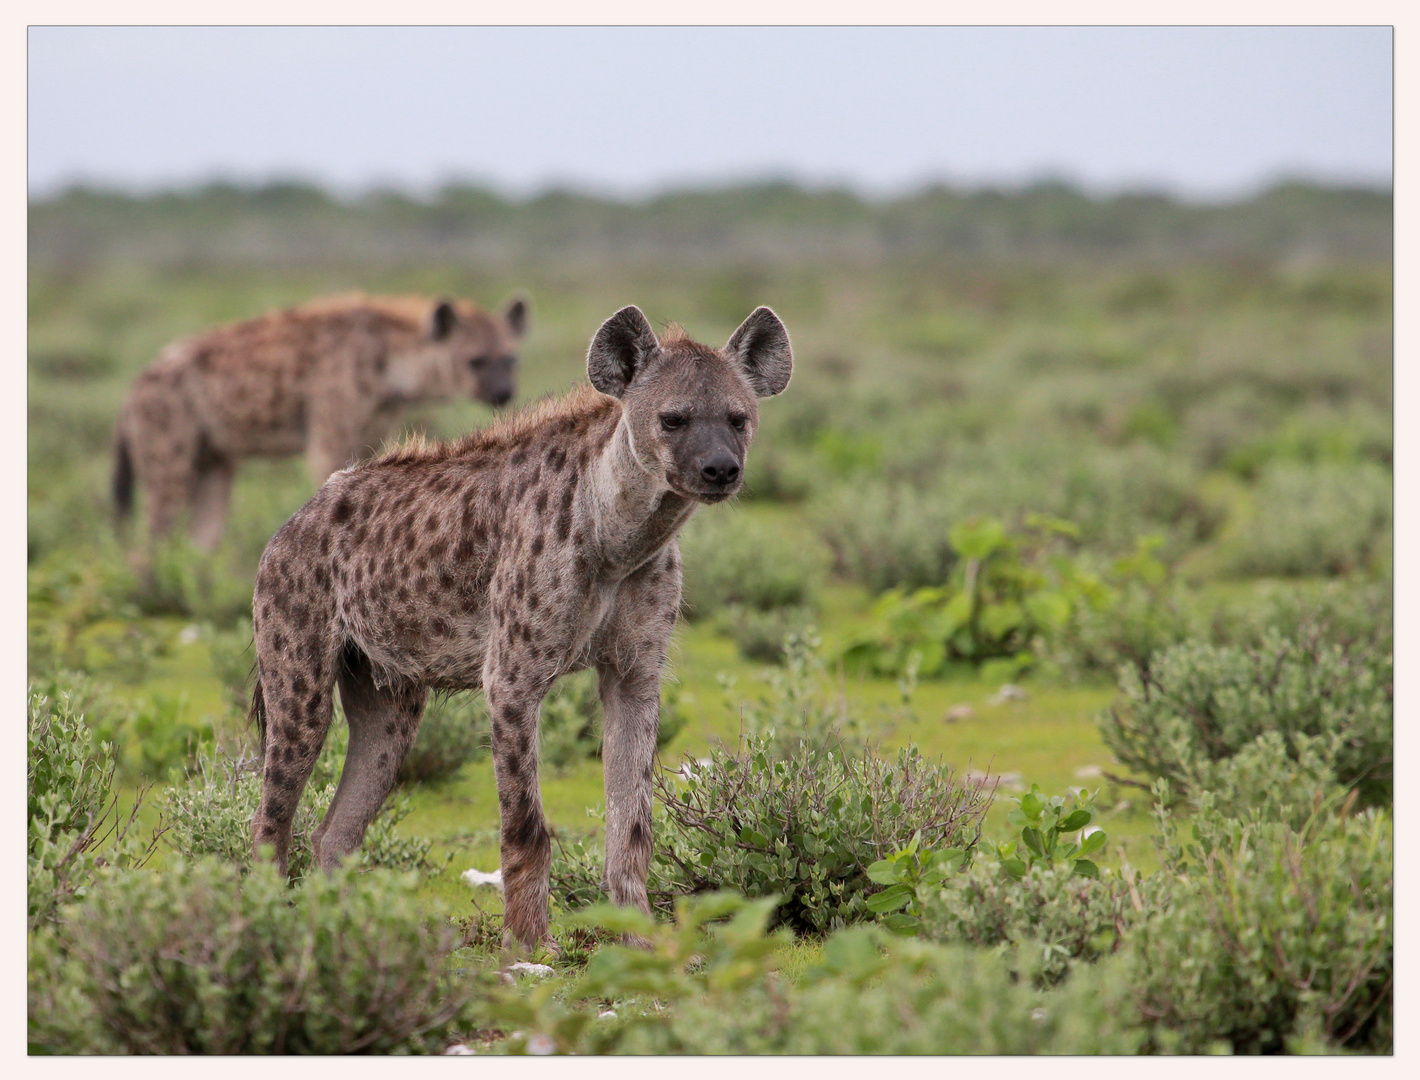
(690, 409)
(477, 350)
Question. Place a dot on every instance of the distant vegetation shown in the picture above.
(293, 224)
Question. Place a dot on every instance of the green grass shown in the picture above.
(933, 374)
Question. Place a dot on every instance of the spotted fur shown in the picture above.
(327, 378)
(543, 545)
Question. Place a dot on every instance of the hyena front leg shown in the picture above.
(629, 671)
(631, 709)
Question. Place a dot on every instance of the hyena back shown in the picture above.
(327, 378)
(543, 545)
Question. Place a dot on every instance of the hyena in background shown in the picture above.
(326, 378)
(543, 545)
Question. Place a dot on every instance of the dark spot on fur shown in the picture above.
(341, 512)
(526, 829)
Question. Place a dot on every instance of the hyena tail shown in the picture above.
(257, 715)
(123, 479)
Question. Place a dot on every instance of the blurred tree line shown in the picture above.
(292, 224)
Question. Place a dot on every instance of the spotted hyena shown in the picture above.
(327, 378)
(543, 545)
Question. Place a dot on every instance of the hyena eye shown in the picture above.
(737, 421)
(478, 363)
(672, 421)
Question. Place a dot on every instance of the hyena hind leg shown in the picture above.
(383, 722)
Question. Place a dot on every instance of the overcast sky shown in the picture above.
(1202, 112)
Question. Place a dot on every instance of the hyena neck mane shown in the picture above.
(624, 507)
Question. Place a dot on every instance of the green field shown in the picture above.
(1177, 420)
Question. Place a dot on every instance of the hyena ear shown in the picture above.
(619, 350)
(760, 349)
(442, 318)
(516, 315)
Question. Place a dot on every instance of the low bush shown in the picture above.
(1020, 598)
(571, 723)
(741, 560)
(760, 635)
(454, 730)
(1311, 520)
(194, 584)
(1261, 933)
(75, 826)
(888, 536)
(1064, 916)
(233, 662)
(206, 959)
(804, 828)
(211, 812)
(1194, 706)
(708, 988)
(1355, 614)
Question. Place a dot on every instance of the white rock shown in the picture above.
(478, 877)
(959, 712)
(608, 1014)
(522, 967)
(1088, 772)
(459, 1050)
(190, 634)
(542, 1045)
(1009, 692)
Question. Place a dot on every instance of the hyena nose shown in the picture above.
(502, 397)
(721, 470)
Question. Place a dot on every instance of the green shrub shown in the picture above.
(888, 536)
(205, 959)
(741, 560)
(233, 662)
(1319, 433)
(760, 635)
(74, 823)
(804, 828)
(1009, 592)
(1310, 520)
(191, 583)
(571, 722)
(1262, 933)
(802, 706)
(713, 989)
(570, 728)
(1065, 916)
(455, 729)
(211, 812)
(1357, 615)
(1195, 706)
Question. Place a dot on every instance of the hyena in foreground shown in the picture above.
(326, 379)
(543, 545)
